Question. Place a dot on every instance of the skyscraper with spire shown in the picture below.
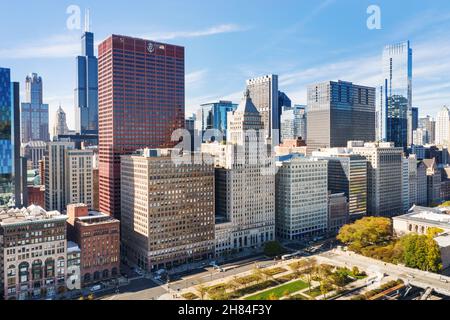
(86, 91)
(60, 123)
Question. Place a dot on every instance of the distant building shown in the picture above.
(265, 96)
(79, 177)
(421, 137)
(415, 118)
(347, 173)
(301, 198)
(98, 236)
(405, 184)
(59, 124)
(56, 178)
(430, 125)
(34, 113)
(86, 90)
(337, 212)
(10, 162)
(339, 112)
(422, 186)
(412, 181)
(396, 94)
(167, 210)
(214, 116)
(433, 182)
(34, 151)
(36, 195)
(384, 177)
(293, 123)
(443, 127)
(33, 253)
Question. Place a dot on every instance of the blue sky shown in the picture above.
(303, 41)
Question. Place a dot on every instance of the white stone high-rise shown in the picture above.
(301, 198)
(55, 175)
(59, 124)
(79, 177)
(443, 127)
(245, 182)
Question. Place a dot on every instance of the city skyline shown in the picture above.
(282, 46)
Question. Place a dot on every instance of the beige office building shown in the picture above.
(384, 176)
(167, 210)
(79, 177)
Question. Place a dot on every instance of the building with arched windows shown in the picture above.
(32, 253)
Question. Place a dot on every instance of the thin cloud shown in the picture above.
(210, 31)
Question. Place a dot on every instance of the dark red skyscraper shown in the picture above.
(141, 102)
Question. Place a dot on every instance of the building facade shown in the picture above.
(214, 116)
(141, 103)
(34, 151)
(443, 127)
(337, 212)
(396, 94)
(167, 210)
(347, 173)
(86, 91)
(384, 177)
(98, 236)
(264, 94)
(33, 253)
(34, 113)
(339, 112)
(79, 177)
(301, 198)
(10, 164)
(59, 124)
(56, 175)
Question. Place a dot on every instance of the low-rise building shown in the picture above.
(32, 253)
(98, 236)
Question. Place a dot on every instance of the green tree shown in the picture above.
(421, 252)
(433, 232)
(273, 249)
(272, 296)
(366, 232)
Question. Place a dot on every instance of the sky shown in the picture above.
(227, 42)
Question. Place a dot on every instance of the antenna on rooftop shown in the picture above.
(87, 21)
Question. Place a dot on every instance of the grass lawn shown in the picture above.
(279, 291)
(315, 292)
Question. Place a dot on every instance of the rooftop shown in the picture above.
(438, 216)
(25, 215)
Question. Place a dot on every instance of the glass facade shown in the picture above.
(86, 92)
(34, 112)
(214, 116)
(396, 94)
(9, 140)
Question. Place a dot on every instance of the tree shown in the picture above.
(273, 249)
(433, 232)
(366, 232)
(309, 267)
(286, 294)
(202, 291)
(257, 273)
(421, 252)
(272, 296)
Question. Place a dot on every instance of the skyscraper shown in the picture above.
(56, 175)
(86, 91)
(396, 94)
(245, 182)
(59, 124)
(141, 103)
(415, 118)
(301, 198)
(167, 209)
(384, 177)
(34, 113)
(429, 124)
(214, 116)
(265, 96)
(339, 112)
(442, 135)
(10, 167)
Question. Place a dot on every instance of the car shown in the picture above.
(96, 288)
(443, 280)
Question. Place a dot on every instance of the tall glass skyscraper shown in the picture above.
(396, 94)
(34, 113)
(86, 91)
(214, 116)
(9, 141)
